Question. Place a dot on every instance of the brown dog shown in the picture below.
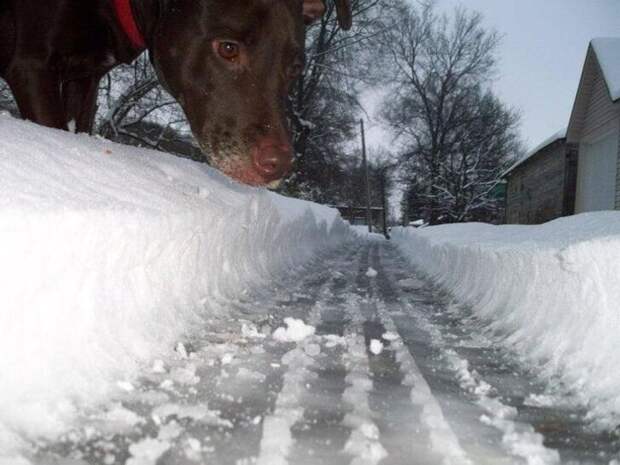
(229, 63)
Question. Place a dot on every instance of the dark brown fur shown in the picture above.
(53, 54)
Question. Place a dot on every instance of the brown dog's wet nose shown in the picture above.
(272, 158)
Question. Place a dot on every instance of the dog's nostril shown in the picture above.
(272, 162)
(269, 164)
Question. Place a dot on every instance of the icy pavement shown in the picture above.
(354, 360)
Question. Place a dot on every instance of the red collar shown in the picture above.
(125, 17)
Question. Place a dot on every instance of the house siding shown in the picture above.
(603, 116)
(584, 93)
(536, 191)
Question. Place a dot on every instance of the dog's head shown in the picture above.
(230, 64)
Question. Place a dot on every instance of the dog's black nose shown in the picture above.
(272, 158)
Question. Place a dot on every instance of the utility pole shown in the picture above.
(368, 213)
(386, 232)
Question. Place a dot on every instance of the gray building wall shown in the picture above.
(595, 114)
(602, 117)
(542, 188)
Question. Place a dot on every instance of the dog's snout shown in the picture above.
(272, 158)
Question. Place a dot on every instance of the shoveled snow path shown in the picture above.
(436, 391)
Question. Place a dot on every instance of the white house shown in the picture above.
(594, 127)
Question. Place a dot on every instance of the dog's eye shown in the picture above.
(228, 50)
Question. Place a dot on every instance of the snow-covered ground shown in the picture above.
(155, 313)
(549, 293)
(110, 255)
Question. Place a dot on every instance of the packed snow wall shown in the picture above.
(551, 293)
(110, 254)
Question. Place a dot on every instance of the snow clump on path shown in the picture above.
(295, 331)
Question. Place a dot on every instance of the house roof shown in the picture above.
(560, 135)
(607, 52)
(603, 58)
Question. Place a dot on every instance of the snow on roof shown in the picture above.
(607, 51)
(554, 138)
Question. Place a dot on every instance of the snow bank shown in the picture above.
(551, 293)
(110, 254)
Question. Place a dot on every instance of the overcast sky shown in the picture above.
(543, 48)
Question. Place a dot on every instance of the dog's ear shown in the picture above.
(314, 9)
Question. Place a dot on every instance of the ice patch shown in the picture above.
(409, 284)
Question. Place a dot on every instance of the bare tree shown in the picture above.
(7, 103)
(135, 109)
(324, 105)
(456, 134)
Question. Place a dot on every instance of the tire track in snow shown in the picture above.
(278, 438)
(321, 435)
(396, 416)
(363, 444)
(260, 401)
(232, 434)
(443, 441)
(251, 410)
(539, 401)
(518, 439)
(259, 364)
